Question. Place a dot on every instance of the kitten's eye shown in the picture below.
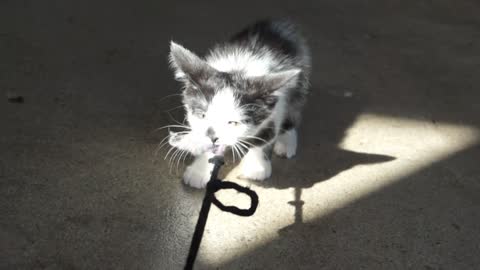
(200, 115)
(233, 123)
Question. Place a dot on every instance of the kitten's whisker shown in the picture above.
(173, 156)
(172, 159)
(167, 111)
(163, 142)
(184, 157)
(239, 153)
(160, 143)
(241, 149)
(232, 149)
(161, 146)
(178, 160)
(179, 152)
(247, 144)
(170, 126)
(244, 142)
(170, 150)
(245, 151)
(172, 95)
(168, 135)
(184, 152)
(172, 118)
(233, 152)
(257, 138)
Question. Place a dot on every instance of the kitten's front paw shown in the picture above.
(255, 168)
(197, 175)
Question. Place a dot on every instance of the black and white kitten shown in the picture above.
(246, 94)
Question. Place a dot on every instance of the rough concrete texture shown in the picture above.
(388, 166)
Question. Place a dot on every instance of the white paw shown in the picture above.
(198, 174)
(254, 166)
(286, 144)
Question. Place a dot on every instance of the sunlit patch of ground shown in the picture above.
(414, 145)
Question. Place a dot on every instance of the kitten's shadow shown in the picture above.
(316, 164)
(327, 116)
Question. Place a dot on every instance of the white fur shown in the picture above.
(255, 166)
(222, 110)
(279, 111)
(286, 144)
(220, 121)
(190, 142)
(198, 173)
(250, 64)
(277, 115)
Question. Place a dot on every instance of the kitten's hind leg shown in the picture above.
(286, 144)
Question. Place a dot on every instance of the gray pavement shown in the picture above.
(387, 175)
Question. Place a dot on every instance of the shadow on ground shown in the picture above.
(319, 155)
(78, 186)
(408, 225)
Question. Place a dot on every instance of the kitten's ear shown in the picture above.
(187, 65)
(277, 81)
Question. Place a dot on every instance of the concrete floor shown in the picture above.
(388, 166)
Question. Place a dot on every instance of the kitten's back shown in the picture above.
(282, 36)
(263, 47)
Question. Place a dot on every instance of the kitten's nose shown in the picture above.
(211, 135)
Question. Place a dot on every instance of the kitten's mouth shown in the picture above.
(218, 149)
(180, 141)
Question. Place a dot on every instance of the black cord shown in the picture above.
(213, 186)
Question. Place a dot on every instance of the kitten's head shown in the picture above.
(223, 108)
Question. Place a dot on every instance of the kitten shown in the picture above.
(246, 94)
